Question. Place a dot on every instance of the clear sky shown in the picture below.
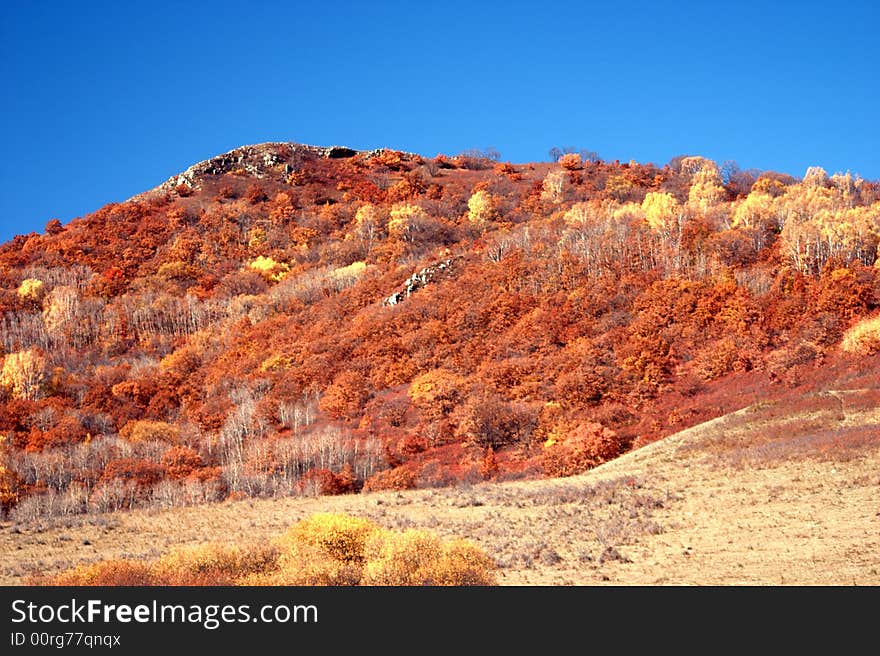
(103, 100)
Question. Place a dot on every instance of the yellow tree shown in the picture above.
(706, 189)
(61, 311)
(24, 374)
(271, 270)
(556, 187)
(694, 164)
(848, 187)
(406, 221)
(756, 210)
(665, 217)
(482, 208)
(662, 211)
(819, 221)
(367, 223)
(815, 177)
(604, 234)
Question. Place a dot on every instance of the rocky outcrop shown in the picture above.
(258, 161)
(419, 280)
(274, 160)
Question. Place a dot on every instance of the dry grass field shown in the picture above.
(771, 494)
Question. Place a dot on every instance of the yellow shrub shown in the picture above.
(183, 361)
(214, 564)
(400, 559)
(339, 536)
(346, 276)
(107, 572)
(268, 268)
(276, 363)
(307, 564)
(462, 563)
(417, 557)
(482, 208)
(863, 338)
(325, 549)
(32, 289)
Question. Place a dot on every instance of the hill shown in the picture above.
(288, 320)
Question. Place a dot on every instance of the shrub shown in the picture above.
(571, 162)
(339, 536)
(583, 448)
(345, 397)
(417, 557)
(214, 564)
(325, 549)
(436, 393)
(107, 572)
(32, 289)
(863, 338)
(143, 473)
(398, 478)
(181, 461)
(10, 483)
(145, 430)
(324, 481)
(271, 270)
(255, 194)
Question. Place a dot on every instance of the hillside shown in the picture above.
(775, 493)
(288, 320)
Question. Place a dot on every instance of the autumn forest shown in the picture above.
(288, 320)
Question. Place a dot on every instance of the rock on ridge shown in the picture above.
(262, 160)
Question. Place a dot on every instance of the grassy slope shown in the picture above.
(787, 492)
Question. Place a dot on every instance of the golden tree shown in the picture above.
(662, 211)
(706, 189)
(405, 222)
(756, 210)
(482, 208)
(367, 223)
(556, 187)
(24, 374)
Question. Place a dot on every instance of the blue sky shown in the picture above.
(103, 100)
